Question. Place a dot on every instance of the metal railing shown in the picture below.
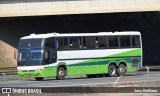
(151, 69)
(8, 71)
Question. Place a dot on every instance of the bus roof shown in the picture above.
(32, 36)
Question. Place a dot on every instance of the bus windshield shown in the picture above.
(32, 43)
(30, 57)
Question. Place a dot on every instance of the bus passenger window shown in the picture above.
(125, 41)
(63, 43)
(102, 42)
(135, 41)
(113, 41)
(50, 43)
(89, 42)
(74, 43)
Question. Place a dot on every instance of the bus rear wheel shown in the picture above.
(112, 70)
(61, 73)
(121, 70)
(39, 78)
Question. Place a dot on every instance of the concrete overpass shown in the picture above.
(10, 8)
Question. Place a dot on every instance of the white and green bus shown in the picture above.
(90, 54)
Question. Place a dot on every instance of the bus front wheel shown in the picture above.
(121, 70)
(61, 73)
(112, 70)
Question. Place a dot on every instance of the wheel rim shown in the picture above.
(122, 70)
(113, 71)
(61, 73)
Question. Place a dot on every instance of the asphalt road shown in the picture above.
(78, 81)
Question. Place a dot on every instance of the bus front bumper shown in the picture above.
(30, 74)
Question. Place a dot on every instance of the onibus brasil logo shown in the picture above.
(21, 90)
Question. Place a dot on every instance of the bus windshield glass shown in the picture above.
(30, 57)
(30, 43)
(36, 54)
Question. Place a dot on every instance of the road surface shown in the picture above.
(78, 81)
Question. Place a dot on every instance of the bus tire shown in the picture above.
(39, 78)
(61, 73)
(112, 70)
(121, 70)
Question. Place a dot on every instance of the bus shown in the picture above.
(92, 54)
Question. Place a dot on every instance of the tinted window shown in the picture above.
(89, 42)
(50, 43)
(101, 42)
(63, 43)
(125, 41)
(113, 41)
(30, 43)
(74, 42)
(135, 41)
(36, 56)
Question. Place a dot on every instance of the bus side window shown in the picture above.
(113, 41)
(50, 43)
(89, 42)
(63, 43)
(101, 41)
(125, 41)
(135, 41)
(74, 43)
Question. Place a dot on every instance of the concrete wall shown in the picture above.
(55, 7)
(7, 54)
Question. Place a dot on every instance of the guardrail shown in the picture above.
(8, 71)
(151, 68)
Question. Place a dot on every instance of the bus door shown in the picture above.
(50, 57)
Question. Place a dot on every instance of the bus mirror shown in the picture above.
(15, 55)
